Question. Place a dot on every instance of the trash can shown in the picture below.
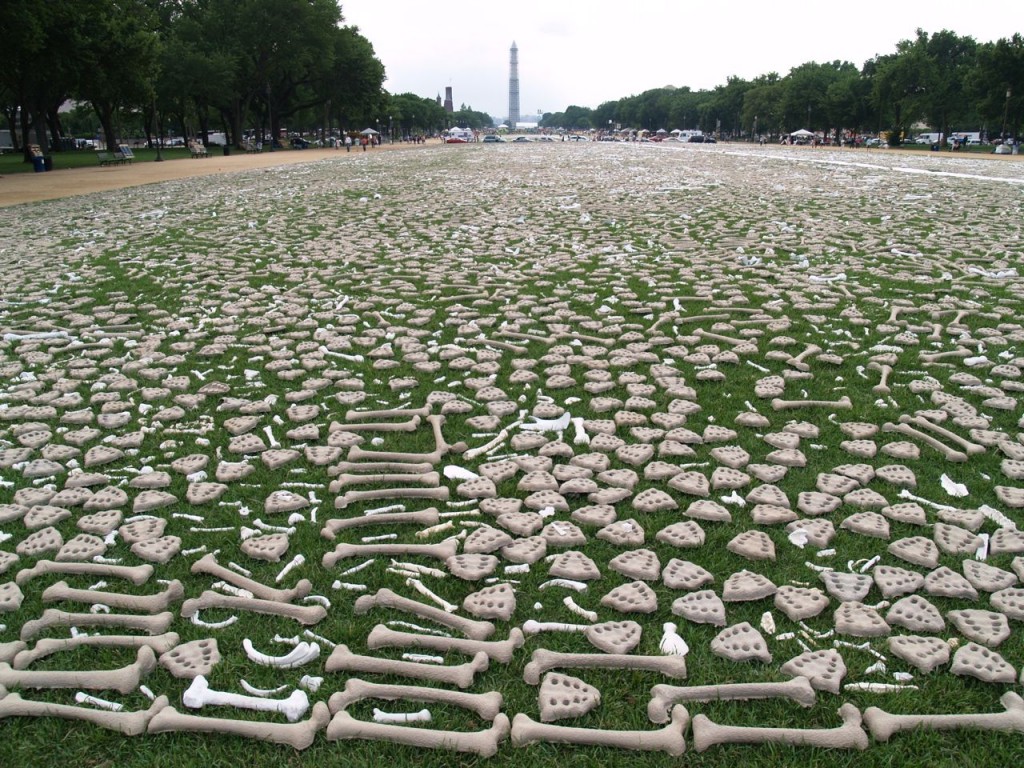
(38, 164)
(48, 162)
(227, 150)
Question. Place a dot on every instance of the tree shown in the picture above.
(996, 84)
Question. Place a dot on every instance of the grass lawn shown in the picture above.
(656, 293)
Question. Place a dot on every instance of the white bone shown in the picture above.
(579, 586)
(199, 694)
(294, 563)
(194, 618)
(303, 653)
(379, 716)
(84, 698)
(532, 627)
(671, 643)
(569, 603)
(263, 693)
(422, 588)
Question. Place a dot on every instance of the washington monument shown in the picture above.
(513, 86)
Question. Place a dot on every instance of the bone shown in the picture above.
(581, 438)
(797, 361)
(496, 650)
(47, 646)
(430, 479)
(664, 696)
(123, 680)
(849, 735)
(459, 675)
(475, 630)
(304, 614)
(719, 337)
(302, 653)
(669, 739)
(951, 454)
(296, 735)
(355, 454)
(354, 497)
(779, 404)
(883, 725)
(51, 617)
(544, 660)
(399, 718)
(390, 413)
(208, 564)
(126, 723)
(143, 603)
(480, 450)
(486, 705)
(971, 449)
(440, 551)
(934, 357)
(484, 743)
(427, 516)
(882, 387)
(137, 575)
(378, 467)
(199, 694)
(428, 593)
(383, 426)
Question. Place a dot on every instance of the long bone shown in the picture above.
(849, 735)
(797, 361)
(480, 450)
(304, 614)
(155, 624)
(664, 696)
(353, 497)
(357, 454)
(199, 694)
(883, 725)
(382, 426)
(513, 348)
(905, 429)
(934, 357)
(486, 705)
(544, 660)
(459, 675)
(137, 574)
(389, 413)
(123, 680)
(779, 404)
(208, 564)
(669, 739)
(296, 735)
(127, 723)
(47, 646)
(484, 743)
(428, 516)
(431, 479)
(119, 600)
(497, 650)
(378, 467)
(385, 598)
(971, 449)
(882, 387)
(718, 337)
(440, 551)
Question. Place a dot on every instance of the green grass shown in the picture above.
(444, 238)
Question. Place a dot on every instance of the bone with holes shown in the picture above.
(199, 694)
(143, 603)
(385, 598)
(137, 575)
(950, 454)
(544, 660)
(484, 743)
(297, 735)
(849, 735)
(496, 650)
(669, 739)
(778, 404)
(664, 696)
(883, 725)
(354, 497)
(459, 675)
(126, 723)
(304, 614)
(47, 646)
(427, 516)
(440, 551)
(153, 624)
(123, 680)
(486, 705)
(208, 564)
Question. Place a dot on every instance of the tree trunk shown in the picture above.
(56, 132)
(26, 124)
(106, 115)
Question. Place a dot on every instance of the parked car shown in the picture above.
(299, 143)
(578, 138)
(521, 140)
(492, 139)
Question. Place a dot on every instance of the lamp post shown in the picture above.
(391, 130)
(270, 119)
(159, 133)
(378, 129)
(754, 135)
(1006, 111)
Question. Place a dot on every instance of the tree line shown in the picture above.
(185, 67)
(945, 80)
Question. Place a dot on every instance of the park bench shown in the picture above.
(126, 154)
(107, 158)
(197, 149)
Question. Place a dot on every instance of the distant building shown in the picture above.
(513, 85)
(449, 105)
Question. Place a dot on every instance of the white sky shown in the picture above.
(589, 51)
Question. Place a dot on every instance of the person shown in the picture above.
(348, 143)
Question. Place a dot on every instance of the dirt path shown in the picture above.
(32, 187)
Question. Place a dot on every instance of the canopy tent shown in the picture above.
(661, 132)
(675, 131)
(369, 132)
(803, 133)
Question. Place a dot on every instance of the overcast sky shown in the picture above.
(586, 52)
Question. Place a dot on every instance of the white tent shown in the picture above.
(369, 132)
(803, 133)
